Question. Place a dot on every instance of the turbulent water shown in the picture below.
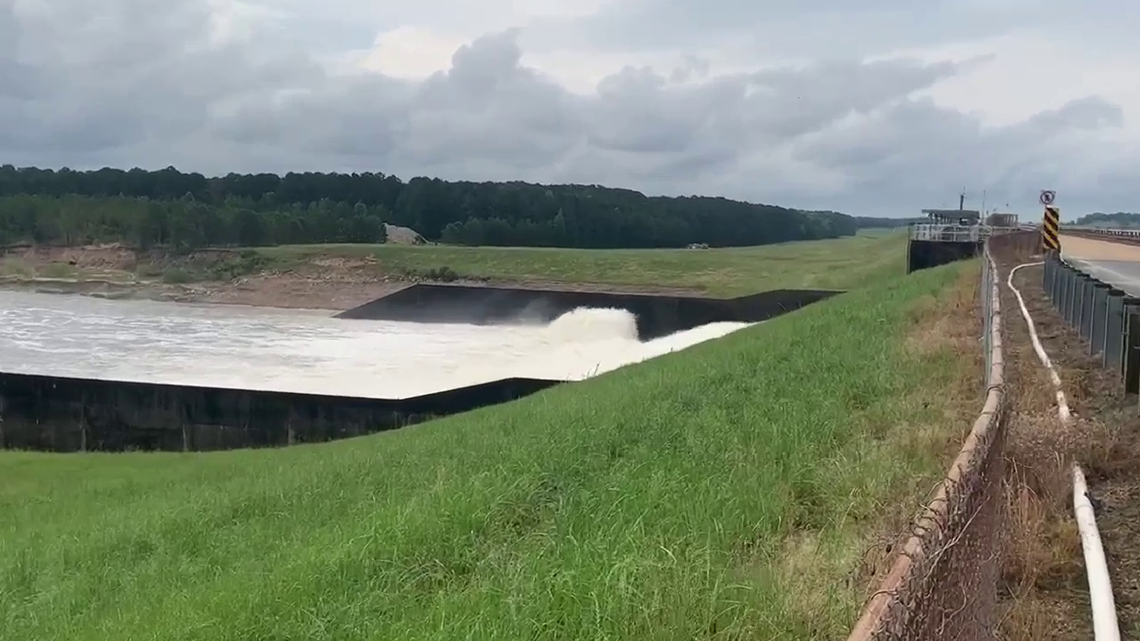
(301, 351)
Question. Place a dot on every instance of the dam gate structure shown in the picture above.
(953, 235)
(60, 413)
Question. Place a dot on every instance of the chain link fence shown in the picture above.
(943, 584)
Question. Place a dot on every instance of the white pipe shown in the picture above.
(1105, 624)
(1062, 404)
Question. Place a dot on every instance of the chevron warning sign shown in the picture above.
(1051, 229)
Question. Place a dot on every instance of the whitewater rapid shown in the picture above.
(309, 352)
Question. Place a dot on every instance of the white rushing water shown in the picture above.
(305, 351)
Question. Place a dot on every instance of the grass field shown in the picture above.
(729, 491)
(828, 264)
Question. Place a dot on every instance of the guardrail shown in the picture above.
(1107, 318)
(947, 233)
(1123, 236)
(943, 583)
(1102, 231)
(951, 233)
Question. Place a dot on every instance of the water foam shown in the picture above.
(590, 341)
(592, 324)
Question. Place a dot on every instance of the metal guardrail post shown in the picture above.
(1131, 306)
(1113, 330)
(1073, 299)
(1099, 315)
(1132, 354)
(1060, 282)
(1084, 314)
(1049, 274)
(1064, 290)
(1061, 274)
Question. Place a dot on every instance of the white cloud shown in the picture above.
(880, 107)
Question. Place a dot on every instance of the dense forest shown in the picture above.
(1119, 219)
(189, 210)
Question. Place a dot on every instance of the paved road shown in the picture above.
(1113, 263)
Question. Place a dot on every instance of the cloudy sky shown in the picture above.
(879, 107)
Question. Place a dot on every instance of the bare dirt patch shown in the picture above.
(1043, 573)
(286, 292)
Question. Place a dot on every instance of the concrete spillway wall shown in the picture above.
(58, 414)
(656, 315)
(924, 254)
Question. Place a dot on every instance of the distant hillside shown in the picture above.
(1119, 219)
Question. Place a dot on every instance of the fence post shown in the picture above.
(987, 312)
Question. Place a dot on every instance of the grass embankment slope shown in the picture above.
(728, 491)
(822, 264)
(828, 264)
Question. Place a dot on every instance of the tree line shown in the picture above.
(868, 222)
(189, 210)
(1118, 219)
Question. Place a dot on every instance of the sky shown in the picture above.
(876, 108)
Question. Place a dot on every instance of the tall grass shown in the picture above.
(723, 492)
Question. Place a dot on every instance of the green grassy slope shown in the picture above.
(840, 263)
(723, 492)
(824, 264)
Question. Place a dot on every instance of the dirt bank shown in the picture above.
(234, 277)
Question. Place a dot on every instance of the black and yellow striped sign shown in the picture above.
(1051, 229)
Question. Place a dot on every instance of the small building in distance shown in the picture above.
(997, 219)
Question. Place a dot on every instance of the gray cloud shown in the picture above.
(783, 29)
(118, 84)
(808, 27)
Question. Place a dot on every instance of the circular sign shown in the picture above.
(1047, 197)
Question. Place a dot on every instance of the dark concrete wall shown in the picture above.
(70, 414)
(924, 254)
(656, 315)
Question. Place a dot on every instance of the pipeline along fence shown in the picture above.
(943, 583)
